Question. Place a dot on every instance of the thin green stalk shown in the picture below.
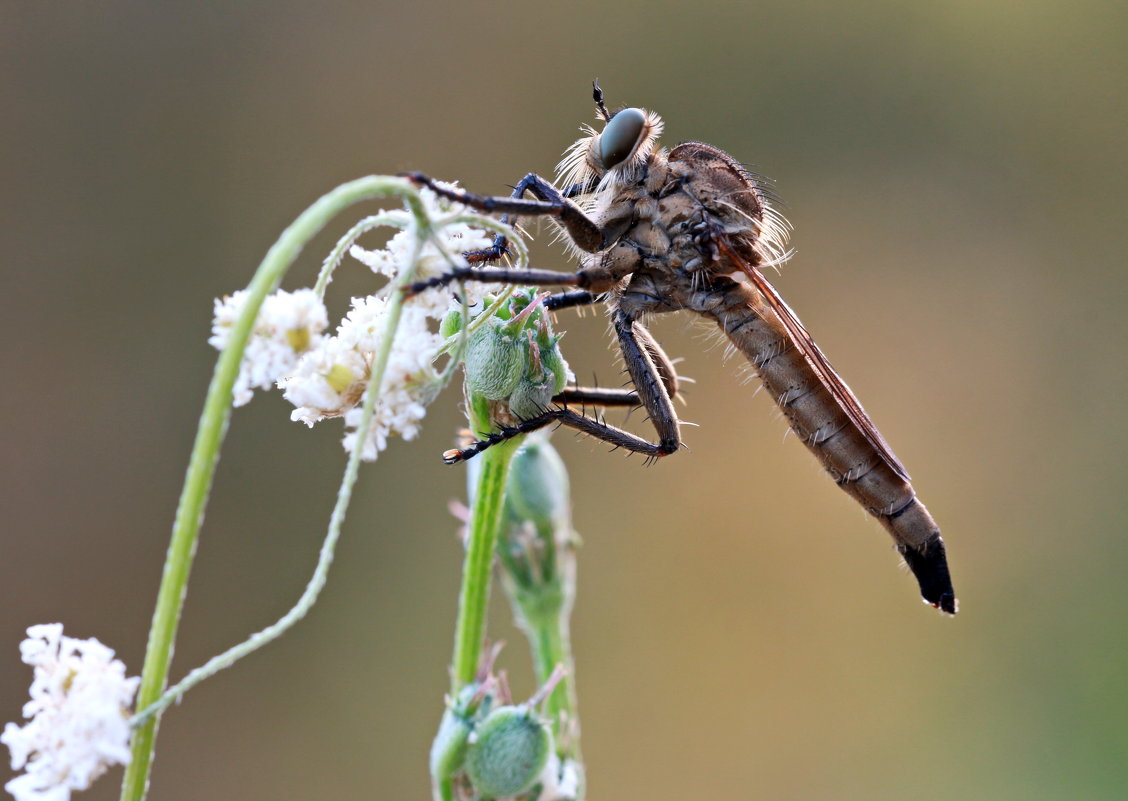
(205, 455)
(549, 642)
(485, 525)
(333, 260)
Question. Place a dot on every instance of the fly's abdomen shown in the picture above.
(829, 432)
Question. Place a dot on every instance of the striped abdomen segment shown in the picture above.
(826, 429)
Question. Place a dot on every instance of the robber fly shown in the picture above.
(691, 228)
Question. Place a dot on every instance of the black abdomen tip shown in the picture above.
(930, 566)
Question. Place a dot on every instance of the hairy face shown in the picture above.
(613, 155)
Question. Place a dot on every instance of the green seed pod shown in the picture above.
(508, 751)
(448, 750)
(449, 746)
(494, 363)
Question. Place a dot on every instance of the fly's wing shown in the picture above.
(819, 363)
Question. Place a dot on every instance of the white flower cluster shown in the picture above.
(326, 376)
(330, 380)
(79, 710)
(288, 325)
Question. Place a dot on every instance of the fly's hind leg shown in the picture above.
(598, 396)
(650, 381)
(596, 428)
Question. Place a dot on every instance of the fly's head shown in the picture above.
(616, 155)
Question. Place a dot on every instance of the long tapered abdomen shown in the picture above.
(829, 432)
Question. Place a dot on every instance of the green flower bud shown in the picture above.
(538, 485)
(529, 398)
(494, 362)
(508, 751)
(546, 372)
(553, 361)
(504, 312)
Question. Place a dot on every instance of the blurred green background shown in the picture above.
(956, 175)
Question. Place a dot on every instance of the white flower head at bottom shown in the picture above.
(79, 716)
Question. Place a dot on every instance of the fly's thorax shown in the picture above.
(734, 198)
(719, 181)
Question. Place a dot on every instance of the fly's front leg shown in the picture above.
(500, 246)
(552, 203)
(610, 262)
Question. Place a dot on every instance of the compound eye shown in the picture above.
(620, 136)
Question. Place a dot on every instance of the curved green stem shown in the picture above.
(205, 455)
(333, 260)
(328, 546)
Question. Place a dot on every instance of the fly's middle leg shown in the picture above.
(499, 275)
(649, 382)
(572, 300)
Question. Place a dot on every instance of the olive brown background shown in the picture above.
(956, 175)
